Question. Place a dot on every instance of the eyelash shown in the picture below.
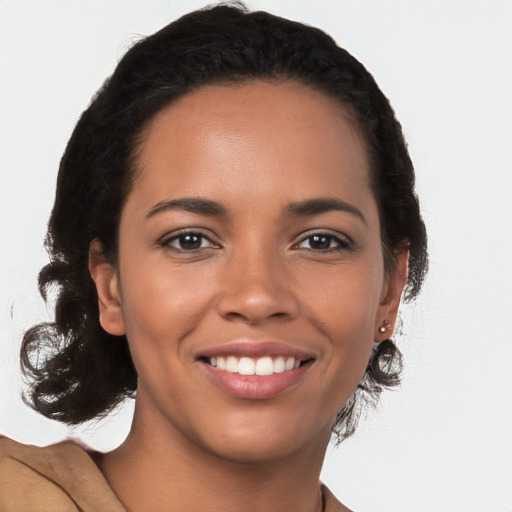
(340, 243)
(182, 235)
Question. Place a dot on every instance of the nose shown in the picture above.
(257, 288)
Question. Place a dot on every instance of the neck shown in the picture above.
(157, 468)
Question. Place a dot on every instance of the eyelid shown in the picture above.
(345, 242)
(165, 240)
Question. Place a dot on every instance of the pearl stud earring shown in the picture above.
(384, 327)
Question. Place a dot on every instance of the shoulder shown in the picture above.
(59, 478)
(331, 504)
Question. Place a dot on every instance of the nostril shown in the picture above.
(278, 314)
(236, 316)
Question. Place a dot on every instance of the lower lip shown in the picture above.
(255, 387)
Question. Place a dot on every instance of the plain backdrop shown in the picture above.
(443, 441)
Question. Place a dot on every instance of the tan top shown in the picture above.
(63, 478)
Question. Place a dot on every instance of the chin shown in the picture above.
(262, 442)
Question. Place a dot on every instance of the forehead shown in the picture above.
(253, 135)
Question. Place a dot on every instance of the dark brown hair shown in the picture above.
(77, 370)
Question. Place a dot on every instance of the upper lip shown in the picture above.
(256, 349)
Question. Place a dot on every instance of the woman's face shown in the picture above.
(250, 279)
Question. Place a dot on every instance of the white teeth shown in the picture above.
(264, 366)
(246, 366)
(279, 365)
(232, 364)
(249, 366)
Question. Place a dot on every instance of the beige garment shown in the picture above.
(63, 478)
(58, 478)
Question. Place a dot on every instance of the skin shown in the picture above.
(254, 148)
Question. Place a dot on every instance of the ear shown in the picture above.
(106, 279)
(391, 294)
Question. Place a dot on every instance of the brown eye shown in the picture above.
(188, 242)
(320, 242)
(323, 242)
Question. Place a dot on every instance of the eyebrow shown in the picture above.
(320, 205)
(315, 206)
(189, 204)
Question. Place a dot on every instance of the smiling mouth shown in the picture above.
(256, 371)
(260, 366)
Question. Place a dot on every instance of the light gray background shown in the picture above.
(443, 442)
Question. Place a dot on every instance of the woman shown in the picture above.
(234, 225)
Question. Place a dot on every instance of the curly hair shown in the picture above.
(76, 369)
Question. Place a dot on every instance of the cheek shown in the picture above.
(343, 305)
(346, 299)
(160, 305)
